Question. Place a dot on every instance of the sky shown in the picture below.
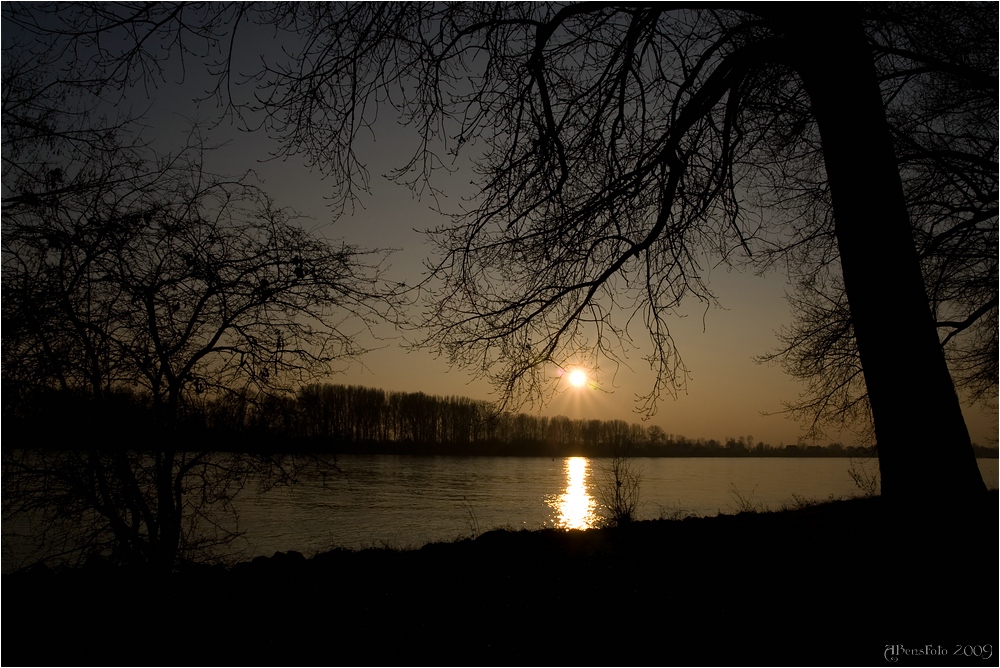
(728, 394)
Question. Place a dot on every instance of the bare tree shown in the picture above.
(69, 504)
(136, 276)
(944, 131)
(618, 148)
(617, 144)
(181, 287)
(184, 283)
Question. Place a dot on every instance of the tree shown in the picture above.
(618, 134)
(944, 130)
(176, 288)
(618, 145)
(140, 283)
(178, 300)
(184, 284)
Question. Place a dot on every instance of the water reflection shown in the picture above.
(575, 506)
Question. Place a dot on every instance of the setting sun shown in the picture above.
(577, 378)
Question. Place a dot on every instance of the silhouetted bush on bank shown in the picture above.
(617, 486)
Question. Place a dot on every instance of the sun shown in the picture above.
(577, 378)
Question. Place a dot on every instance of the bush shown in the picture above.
(617, 489)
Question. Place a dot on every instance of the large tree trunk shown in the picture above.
(168, 513)
(925, 454)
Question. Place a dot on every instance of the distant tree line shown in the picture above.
(353, 419)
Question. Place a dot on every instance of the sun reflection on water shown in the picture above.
(575, 506)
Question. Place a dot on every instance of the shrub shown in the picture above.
(617, 489)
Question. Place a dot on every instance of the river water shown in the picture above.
(408, 501)
(401, 501)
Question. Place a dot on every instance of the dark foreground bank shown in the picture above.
(846, 583)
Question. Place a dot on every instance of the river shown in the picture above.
(408, 501)
(401, 501)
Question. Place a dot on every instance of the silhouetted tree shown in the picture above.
(178, 286)
(129, 273)
(944, 131)
(181, 284)
(617, 147)
(617, 144)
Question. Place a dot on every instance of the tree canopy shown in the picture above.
(137, 277)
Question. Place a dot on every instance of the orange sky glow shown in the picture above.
(728, 394)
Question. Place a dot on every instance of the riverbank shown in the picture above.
(833, 584)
